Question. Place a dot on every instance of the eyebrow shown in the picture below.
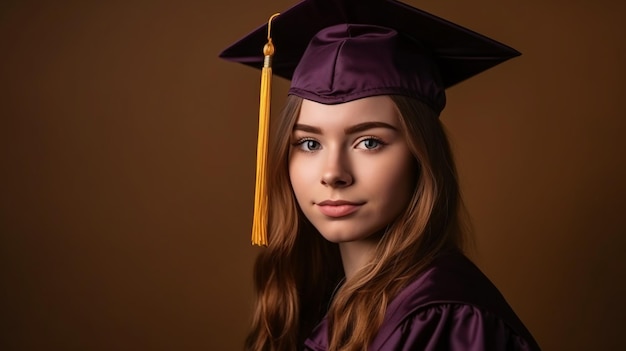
(350, 130)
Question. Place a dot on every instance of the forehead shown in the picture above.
(369, 109)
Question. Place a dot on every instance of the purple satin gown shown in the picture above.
(452, 306)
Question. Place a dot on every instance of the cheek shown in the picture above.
(298, 176)
(397, 189)
(397, 178)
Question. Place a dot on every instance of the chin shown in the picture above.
(349, 234)
(337, 237)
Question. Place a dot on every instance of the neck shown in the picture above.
(355, 255)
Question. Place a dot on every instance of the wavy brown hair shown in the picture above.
(294, 277)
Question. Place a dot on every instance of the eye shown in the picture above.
(370, 143)
(308, 145)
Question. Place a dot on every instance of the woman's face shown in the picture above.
(350, 167)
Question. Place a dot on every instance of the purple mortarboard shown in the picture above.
(336, 51)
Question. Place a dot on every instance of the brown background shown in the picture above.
(127, 153)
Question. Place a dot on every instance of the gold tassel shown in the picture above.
(260, 219)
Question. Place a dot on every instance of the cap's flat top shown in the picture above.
(458, 52)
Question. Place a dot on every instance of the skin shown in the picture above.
(354, 152)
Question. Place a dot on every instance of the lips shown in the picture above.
(338, 208)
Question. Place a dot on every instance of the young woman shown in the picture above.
(365, 225)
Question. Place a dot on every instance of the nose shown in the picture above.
(337, 173)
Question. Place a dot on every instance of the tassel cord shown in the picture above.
(260, 220)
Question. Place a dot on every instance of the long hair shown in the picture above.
(294, 277)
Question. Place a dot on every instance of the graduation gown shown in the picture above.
(451, 306)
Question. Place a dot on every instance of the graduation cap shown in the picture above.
(336, 51)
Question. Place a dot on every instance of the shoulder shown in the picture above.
(452, 305)
(455, 327)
